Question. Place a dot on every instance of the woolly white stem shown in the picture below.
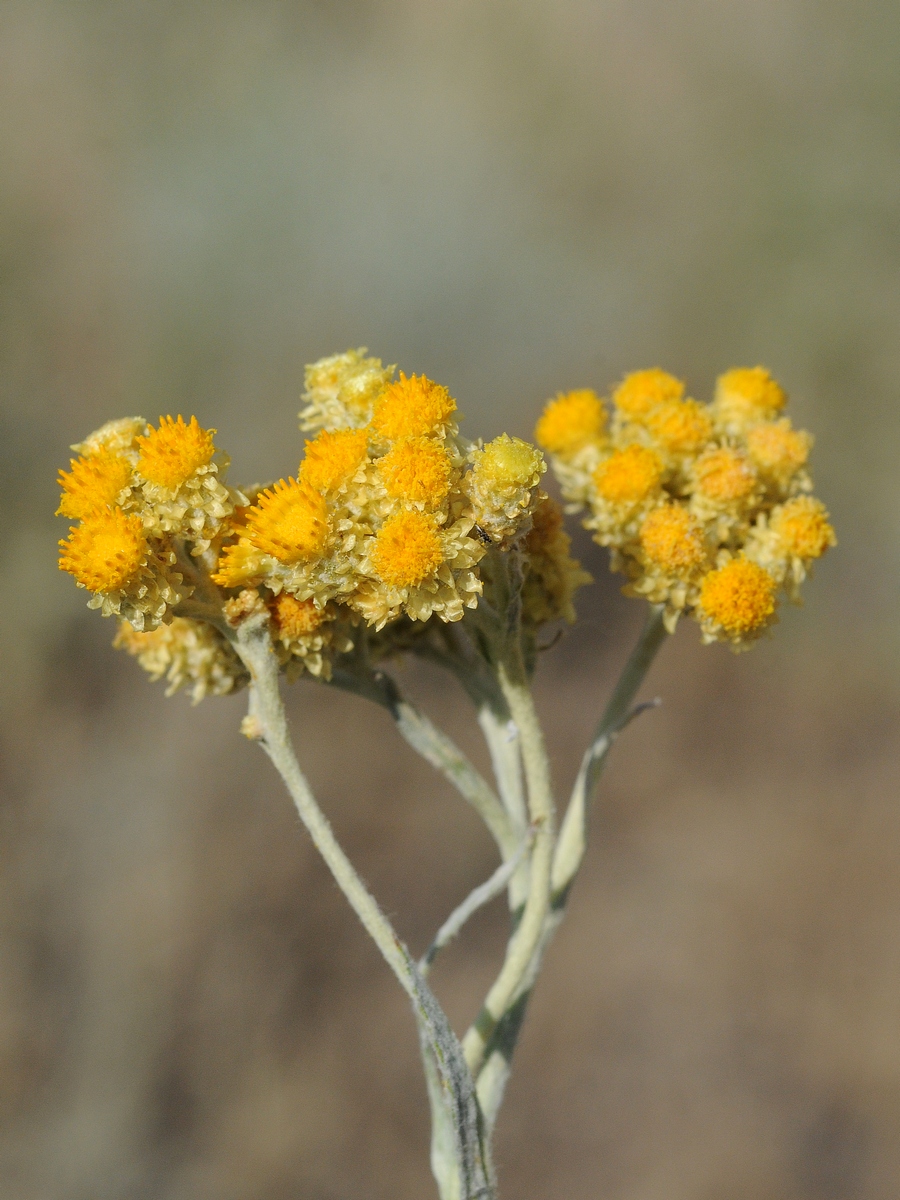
(460, 1158)
(477, 898)
(527, 936)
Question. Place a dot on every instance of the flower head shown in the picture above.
(295, 618)
(118, 436)
(552, 575)
(570, 422)
(778, 451)
(189, 654)
(172, 453)
(628, 476)
(724, 476)
(736, 601)
(106, 552)
(747, 394)
(289, 521)
(680, 427)
(342, 389)
(672, 540)
(333, 458)
(417, 469)
(802, 528)
(94, 482)
(413, 407)
(502, 486)
(641, 391)
(407, 549)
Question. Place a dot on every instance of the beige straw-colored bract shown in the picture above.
(398, 536)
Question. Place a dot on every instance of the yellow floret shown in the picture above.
(680, 426)
(802, 528)
(417, 469)
(571, 421)
(642, 391)
(289, 521)
(629, 476)
(723, 475)
(777, 448)
(171, 454)
(672, 539)
(332, 458)
(94, 482)
(412, 407)
(407, 549)
(295, 618)
(106, 551)
(748, 393)
(739, 597)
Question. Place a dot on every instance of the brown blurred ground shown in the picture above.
(197, 198)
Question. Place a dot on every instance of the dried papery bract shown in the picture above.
(395, 537)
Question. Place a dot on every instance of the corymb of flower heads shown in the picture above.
(387, 518)
(146, 499)
(695, 500)
(397, 537)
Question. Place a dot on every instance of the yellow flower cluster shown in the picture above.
(140, 494)
(386, 523)
(391, 510)
(706, 508)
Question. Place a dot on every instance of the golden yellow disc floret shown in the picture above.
(680, 426)
(570, 422)
(642, 391)
(417, 469)
(407, 549)
(740, 597)
(94, 481)
(724, 475)
(171, 454)
(294, 618)
(749, 393)
(289, 521)
(802, 528)
(106, 551)
(332, 458)
(672, 539)
(412, 407)
(777, 448)
(629, 476)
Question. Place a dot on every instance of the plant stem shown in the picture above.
(526, 938)
(267, 723)
(437, 749)
(569, 853)
(477, 898)
(460, 1151)
(572, 842)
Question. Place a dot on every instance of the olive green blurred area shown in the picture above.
(514, 198)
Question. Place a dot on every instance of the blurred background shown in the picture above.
(513, 196)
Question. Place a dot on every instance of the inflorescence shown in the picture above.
(384, 528)
(391, 523)
(706, 508)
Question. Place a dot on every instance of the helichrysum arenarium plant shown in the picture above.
(400, 537)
